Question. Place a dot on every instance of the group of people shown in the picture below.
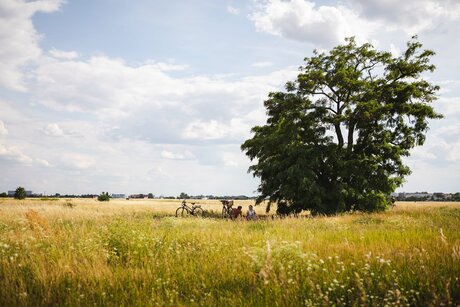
(238, 212)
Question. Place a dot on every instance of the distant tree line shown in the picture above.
(433, 197)
(201, 196)
(20, 193)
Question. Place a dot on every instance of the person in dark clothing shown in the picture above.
(238, 212)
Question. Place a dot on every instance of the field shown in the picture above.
(82, 252)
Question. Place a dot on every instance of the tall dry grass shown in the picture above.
(136, 253)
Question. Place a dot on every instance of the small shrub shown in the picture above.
(212, 214)
(69, 204)
(20, 193)
(104, 196)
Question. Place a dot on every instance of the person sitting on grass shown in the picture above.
(251, 215)
(236, 213)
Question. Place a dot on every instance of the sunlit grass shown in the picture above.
(136, 253)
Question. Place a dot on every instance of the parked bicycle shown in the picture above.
(392, 202)
(226, 208)
(185, 210)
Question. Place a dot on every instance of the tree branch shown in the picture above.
(338, 131)
(351, 130)
(334, 92)
(325, 94)
(328, 108)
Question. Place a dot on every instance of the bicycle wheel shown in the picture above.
(181, 212)
(198, 212)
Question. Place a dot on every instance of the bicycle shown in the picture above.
(392, 202)
(226, 208)
(185, 210)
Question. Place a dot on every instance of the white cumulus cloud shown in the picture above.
(3, 130)
(53, 129)
(213, 129)
(65, 55)
(233, 10)
(410, 16)
(305, 21)
(14, 153)
(19, 39)
(262, 64)
(186, 155)
(78, 161)
(327, 25)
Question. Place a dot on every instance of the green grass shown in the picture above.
(78, 256)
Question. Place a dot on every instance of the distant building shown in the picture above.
(441, 196)
(419, 195)
(415, 196)
(11, 193)
(137, 196)
(118, 195)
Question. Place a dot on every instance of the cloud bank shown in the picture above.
(83, 123)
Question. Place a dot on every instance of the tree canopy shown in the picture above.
(183, 195)
(104, 196)
(335, 139)
(20, 193)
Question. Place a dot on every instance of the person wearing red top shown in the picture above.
(238, 212)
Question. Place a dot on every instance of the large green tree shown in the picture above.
(335, 139)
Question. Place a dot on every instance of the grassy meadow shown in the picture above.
(83, 252)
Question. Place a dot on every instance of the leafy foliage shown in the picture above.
(456, 197)
(104, 196)
(183, 195)
(334, 141)
(20, 193)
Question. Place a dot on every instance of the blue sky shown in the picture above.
(157, 96)
(202, 34)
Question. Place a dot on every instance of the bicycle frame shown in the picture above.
(184, 205)
(194, 210)
(226, 208)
